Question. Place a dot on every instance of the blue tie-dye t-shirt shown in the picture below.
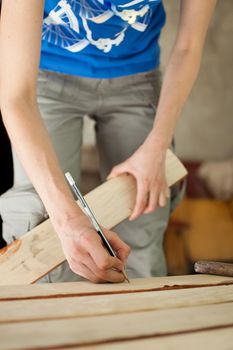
(100, 38)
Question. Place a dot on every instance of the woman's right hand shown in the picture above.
(86, 254)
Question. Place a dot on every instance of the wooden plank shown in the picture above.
(100, 329)
(39, 251)
(55, 290)
(62, 308)
(215, 340)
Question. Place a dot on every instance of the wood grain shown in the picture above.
(39, 251)
(64, 308)
(101, 329)
(147, 314)
(214, 340)
(55, 290)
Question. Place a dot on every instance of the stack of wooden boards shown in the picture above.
(170, 313)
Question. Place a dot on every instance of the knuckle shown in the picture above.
(102, 276)
(82, 239)
(85, 238)
(163, 184)
(104, 265)
(145, 183)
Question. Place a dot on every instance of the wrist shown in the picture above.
(157, 143)
(65, 212)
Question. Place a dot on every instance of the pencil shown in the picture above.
(91, 216)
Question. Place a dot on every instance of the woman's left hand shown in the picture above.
(147, 165)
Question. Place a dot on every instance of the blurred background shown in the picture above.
(202, 226)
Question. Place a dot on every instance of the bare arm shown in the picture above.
(183, 66)
(20, 50)
(147, 164)
(20, 37)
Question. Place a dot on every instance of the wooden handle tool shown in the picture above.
(214, 268)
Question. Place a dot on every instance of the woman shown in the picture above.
(98, 58)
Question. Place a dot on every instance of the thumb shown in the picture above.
(117, 170)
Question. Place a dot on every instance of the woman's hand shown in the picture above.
(85, 253)
(147, 165)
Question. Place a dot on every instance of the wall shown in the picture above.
(205, 128)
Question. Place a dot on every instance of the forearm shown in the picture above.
(182, 67)
(34, 148)
(20, 40)
(179, 78)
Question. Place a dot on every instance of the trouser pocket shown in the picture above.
(20, 212)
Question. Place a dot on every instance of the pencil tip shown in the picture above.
(126, 277)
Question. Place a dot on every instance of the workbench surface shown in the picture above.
(180, 312)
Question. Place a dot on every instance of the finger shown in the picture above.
(120, 247)
(82, 270)
(117, 170)
(141, 200)
(162, 199)
(153, 202)
(109, 275)
(93, 245)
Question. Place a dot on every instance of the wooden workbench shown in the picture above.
(183, 312)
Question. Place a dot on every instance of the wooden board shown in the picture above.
(39, 251)
(92, 330)
(129, 318)
(60, 290)
(218, 339)
(72, 307)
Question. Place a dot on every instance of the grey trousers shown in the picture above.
(123, 110)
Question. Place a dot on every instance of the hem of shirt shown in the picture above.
(104, 73)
